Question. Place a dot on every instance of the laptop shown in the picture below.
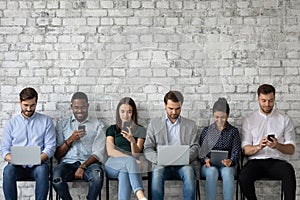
(216, 156)
(173, 155)
(26, 155)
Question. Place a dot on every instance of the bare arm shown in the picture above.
(80, 171)
(283, 148)
(110, 147)
(253, 149)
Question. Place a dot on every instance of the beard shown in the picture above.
(267, 109)
(27, 113)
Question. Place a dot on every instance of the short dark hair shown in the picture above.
(79, 95)
(28, 93)
(265, 89)
(221, 105)
(174, 96)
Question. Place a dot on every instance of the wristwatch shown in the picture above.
(83, 166)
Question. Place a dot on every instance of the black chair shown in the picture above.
(243, 157)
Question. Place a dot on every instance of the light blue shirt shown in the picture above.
(173, 131)
(93, 143)
(38, 130)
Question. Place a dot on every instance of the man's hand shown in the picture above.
(272, 144)
(8, 157)
(263, 142)
(77, 134)
(79, 174)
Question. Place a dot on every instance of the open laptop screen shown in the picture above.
(173, 155)
(25, 155)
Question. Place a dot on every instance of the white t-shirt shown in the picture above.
(258, 125)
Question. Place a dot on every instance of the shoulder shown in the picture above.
(232, 128)
(156, 121)
(42, 117)
(187, 121)
(97, 122)
(111, 130)
(64, 121)
(251, 117)
(140, 132)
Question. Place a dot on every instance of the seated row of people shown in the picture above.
(82, 149)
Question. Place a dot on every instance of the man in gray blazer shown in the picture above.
(172, 129)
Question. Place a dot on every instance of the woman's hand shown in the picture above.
(207, 162)
(227, 162)
(128, 135)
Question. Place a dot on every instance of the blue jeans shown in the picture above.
(65, 172)
(14, 173)
(185, 173)
(127, 171)
(211, 183)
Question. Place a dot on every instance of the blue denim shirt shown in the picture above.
(38, 130)
(93, 143)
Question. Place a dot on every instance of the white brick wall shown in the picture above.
(111, 49)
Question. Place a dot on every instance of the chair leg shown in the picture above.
(107, 188)
(198, 197)
(237, 190)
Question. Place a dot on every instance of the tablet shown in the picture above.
(216, 156)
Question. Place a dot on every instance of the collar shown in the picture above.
(178, 120)
(32, 116)
(266, 116)
(73, 118)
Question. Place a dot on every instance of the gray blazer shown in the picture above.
(157, 135)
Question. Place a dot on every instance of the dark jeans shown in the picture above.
(65, 172)
(13, 173)
(268, 168)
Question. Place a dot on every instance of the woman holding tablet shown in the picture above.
(220, 135)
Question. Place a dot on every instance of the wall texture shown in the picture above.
(143, 48)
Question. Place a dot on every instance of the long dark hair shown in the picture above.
(134, 117)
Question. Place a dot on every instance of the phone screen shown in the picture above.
(269, 137)
(81, 127)
(126, 124)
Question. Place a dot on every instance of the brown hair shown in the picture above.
(174, 96)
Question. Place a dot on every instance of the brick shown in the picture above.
(106, 4)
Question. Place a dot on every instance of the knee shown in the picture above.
(57, 180)
(212, 172)
(97, 176)
(227, 172)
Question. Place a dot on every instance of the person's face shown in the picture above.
(266, 102)
(173, 110)
(125, 112)
(220, 119)
(80, 109)
(28, 107)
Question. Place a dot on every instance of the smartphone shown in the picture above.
(269, 137)
(81, 127)
(124, 128)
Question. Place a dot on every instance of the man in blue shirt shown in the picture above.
(28, 128)
(80, 149)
